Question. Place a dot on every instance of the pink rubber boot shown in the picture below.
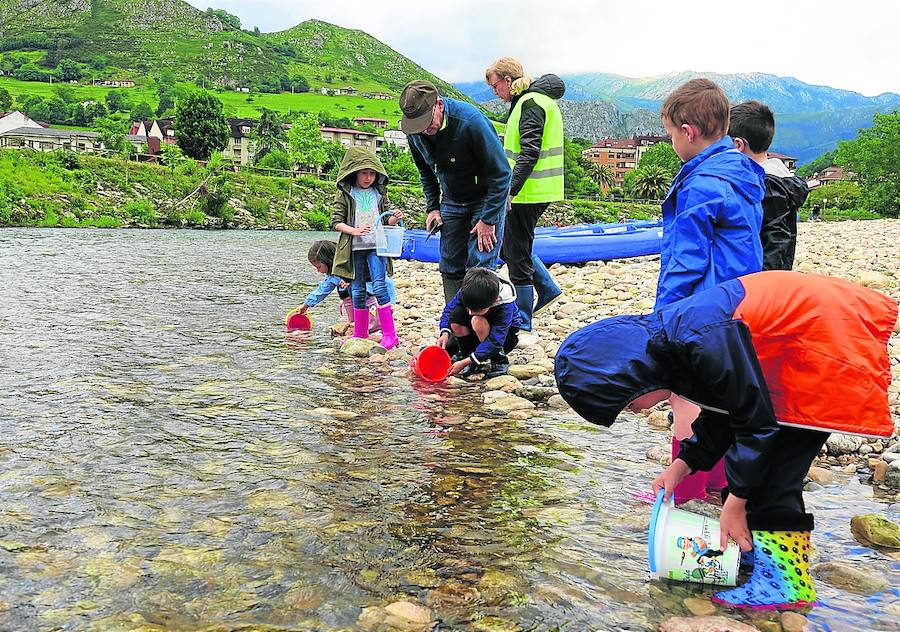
(389, 338)
(360, 323)
(347, 308)
(374, 324)
(693, 486)
(715, 478)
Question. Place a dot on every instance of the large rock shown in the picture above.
(793, 622)
(704, 624)
(527, 371)
(892, 476)
(361, 347)
(820, 475)
(875, 280)
(510, 403)
(405, 615)
(843, 444)
(557, 401)
(502, 383)
(535, 393)
(871, 529)
(846, 577)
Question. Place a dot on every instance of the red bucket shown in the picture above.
(295, 321)
(431, 364)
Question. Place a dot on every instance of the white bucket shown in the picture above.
(388, 240)
(682, 544)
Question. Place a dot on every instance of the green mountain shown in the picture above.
(128, 39)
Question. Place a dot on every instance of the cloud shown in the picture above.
(827, 42)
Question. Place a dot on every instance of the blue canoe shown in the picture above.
(573, 244)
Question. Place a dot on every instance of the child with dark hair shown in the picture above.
(711, 220)
(481, 324)
(756, 353)
(321, 256)
(752, 129)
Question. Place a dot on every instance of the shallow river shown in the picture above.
(165, 463)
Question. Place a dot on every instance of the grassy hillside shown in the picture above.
(128, 39)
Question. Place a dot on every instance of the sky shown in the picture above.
(849, 45)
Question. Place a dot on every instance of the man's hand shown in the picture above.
(733, 524)
(487, 238)
(670, 478)
(443, 340)
(459, 366)
(509, 203)
(434, 217)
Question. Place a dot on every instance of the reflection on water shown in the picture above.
(169, 460)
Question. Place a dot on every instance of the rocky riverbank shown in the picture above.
(863, 252)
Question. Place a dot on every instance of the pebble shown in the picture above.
(526, 371)
(659, 419)
(699, 607)
(704, 624)
(879, 471)
(846, 577)
(557, 401)
(820, 475)
(793, 622)
(875, 529)
(501, 383)
(510, 403)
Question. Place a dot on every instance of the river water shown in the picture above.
(169, 460)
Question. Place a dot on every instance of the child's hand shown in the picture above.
(443, 340)
(343, 284)
(733, 524)
(459, 366)
(396, 216)
(365, 229)
(670, 478)
(302, 309)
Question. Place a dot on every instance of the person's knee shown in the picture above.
(460, 331)
(481, 326)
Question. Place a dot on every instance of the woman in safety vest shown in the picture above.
(534, 148)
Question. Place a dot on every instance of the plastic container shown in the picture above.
(681, 547)
(432, 364)
(388, 239)
(295, 321)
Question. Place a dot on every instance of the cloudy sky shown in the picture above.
(850, 45)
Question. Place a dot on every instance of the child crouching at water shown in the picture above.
(481, 324)
(321, 256)
(755, 353)
(359, 203)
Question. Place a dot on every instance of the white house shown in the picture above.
(15, 120)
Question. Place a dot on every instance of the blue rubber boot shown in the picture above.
(547, 290)
(780, 576)
(525, 303)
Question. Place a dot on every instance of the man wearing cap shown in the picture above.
(465, 177)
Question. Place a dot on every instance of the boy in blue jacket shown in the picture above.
(481, 324)
(712, 216)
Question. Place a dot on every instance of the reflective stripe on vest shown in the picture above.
(546, 182)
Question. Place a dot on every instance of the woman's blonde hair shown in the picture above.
(509, 67)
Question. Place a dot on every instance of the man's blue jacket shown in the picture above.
(464, 163)
(711, 220)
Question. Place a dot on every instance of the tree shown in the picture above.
(276, 159)
(305, 142)
(874, 159)
(650, 183)
(66, 93)
(141, 112)
(228, 20)
(816, 165)
(68, 70)
(112, 134)
(115, 101)
(166, 103)
(201, 125)
(269, 134)
(93, 111)
(602, 175)
(58, 111)
(661, 155)
(5, 100)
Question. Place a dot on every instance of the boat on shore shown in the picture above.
(571, 244)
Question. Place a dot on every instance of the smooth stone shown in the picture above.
(846, 577)
(409, 612)
(501, 382)
(874, 280)
(557, 401)
(765, 625)
(658, 419)
(875, 529)
(820, 475)
(526, 371)
(510, 403)
(520, 415)
(337, 413)
(793, 622)
(892, 476)
(361, 347)
(527, 340)
(890, 457)
(657, 452)
(489, 397)
(843, 444)
(704, 624)
(370, 618)
(328, 372)
(699, 607)
(571, 309)
(535, 393)
(879, 471)
(339, 330)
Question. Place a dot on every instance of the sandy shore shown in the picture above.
(864, 252)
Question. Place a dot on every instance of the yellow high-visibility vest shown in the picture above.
(546, 182)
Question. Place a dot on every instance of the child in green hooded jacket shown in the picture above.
(359, 203)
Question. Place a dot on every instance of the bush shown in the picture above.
(318, 218)
(195, 218)
(141, 211)
(50, 219)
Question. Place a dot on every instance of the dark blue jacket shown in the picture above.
(463, 163)
(503, 315)
(712, 216)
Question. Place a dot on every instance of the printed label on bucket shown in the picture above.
(693, 557)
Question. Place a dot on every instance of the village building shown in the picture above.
(621, 155)
(49, 139)
(378, 123)
(828, 175)
(351, 137)
(16, 120)
(396, 137)
(241, 148)
(789, 161)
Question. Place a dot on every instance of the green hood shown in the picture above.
(358, 158)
